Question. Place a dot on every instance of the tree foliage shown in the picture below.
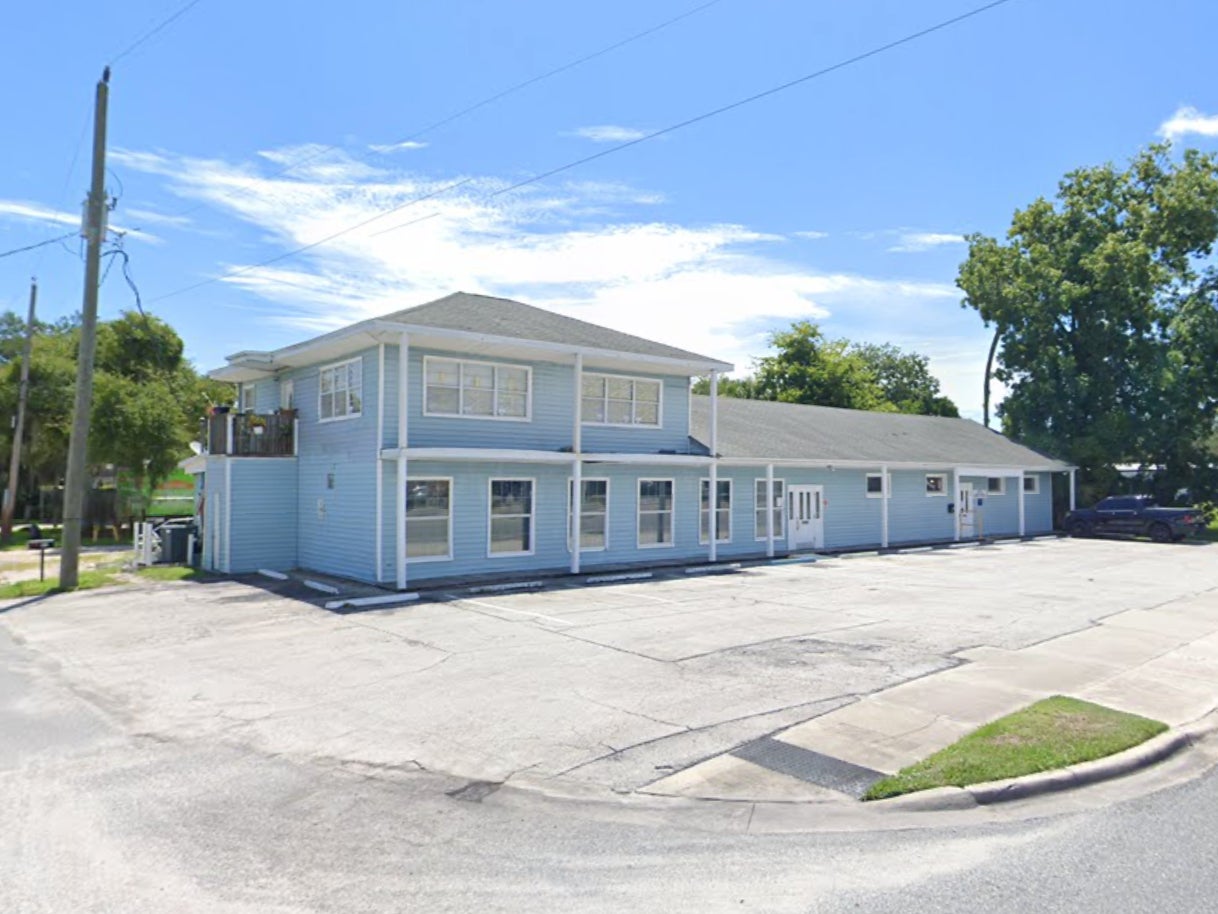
(147, 399)
(808, 368)
(1105, 309)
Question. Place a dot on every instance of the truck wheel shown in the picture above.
(1079, 528)
(1160, 533)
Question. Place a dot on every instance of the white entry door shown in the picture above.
(965, 507)
(806, 517)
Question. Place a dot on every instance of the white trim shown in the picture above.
(887, 486)
(731, 506)
(490, 484)
(1002, 485)
(782, 510)
(634, 400)
(575, 530)
(424, 559)
(321, 370)
(867, 486)
(228, 517)
(570, 517)
(1073, 485)
(1035, 480)
(1022, 507)
(942, 477)
(638, 513)
(956, 502)
(403, 448)
(379, 548)
(494, 389)
(245, 403)
(287, 386)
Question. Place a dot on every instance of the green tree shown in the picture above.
(808, 368)
(1106, 316)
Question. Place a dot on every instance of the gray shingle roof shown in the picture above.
(516, 320)
(762, 429)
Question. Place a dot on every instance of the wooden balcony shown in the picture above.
(250, 434)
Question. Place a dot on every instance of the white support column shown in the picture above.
(713, 495)
(577, 467)
(228, 433)
(1022, 507)
(227, 564)
(956, 499)
(403, 441)
(380, 464)
(884, 493)
(1072, 488)
(769, 510)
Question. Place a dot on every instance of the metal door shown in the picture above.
(806, 517)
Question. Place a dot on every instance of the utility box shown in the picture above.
(175, 544)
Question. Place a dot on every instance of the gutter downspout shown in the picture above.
(577, 466)
(403, 402)
(713, 495)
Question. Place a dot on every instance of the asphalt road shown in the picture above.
(93, 818)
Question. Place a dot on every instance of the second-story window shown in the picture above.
(340, 391)
(615, 400)
(485, 390)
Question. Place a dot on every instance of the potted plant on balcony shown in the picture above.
(256, 424)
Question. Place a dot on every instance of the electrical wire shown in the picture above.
(707, 115)
(155, 30)
(315, 154)
(31, 247)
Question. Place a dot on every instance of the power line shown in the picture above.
(707, 115)
(315, 154)
(155, 30)
(30, 247)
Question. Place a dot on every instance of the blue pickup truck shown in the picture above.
(1135, 515)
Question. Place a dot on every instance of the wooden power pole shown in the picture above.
(77, 477)
(14, 463)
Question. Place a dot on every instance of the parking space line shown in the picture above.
(504, 609)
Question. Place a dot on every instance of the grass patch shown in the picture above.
(87, 581)
(169, 573)
(1052, 733)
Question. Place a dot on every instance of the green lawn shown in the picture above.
(87, 581)
(52, 531)
(1050, 734)
(169, 573)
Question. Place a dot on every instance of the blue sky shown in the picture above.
(841, 200)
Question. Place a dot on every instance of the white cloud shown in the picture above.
(608, 133)
(35, 212)
(386, 148)
(811, 236)
(718, 289)
(1188, 120)
(155, 218)
(913, 242)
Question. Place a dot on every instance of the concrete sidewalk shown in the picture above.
(1160, 662)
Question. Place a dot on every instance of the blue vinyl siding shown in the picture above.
(263, 524)
(673, 434)
(914, 516)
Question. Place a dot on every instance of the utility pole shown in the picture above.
(76, 479)
(14, 464)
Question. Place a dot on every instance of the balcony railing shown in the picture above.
(250, 434)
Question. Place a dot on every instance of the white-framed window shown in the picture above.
(655, 512)
(287, 394)
(510, 517)
(429, 515)
(610, 399)
(1031, 485)
(477, 390)
(936, 484)
(996, 485)
(593, 515)
(247, 395)
(875, 485)
(723, 510)
(780, 499)
(340, 390)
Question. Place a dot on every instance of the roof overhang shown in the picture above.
(250, 366)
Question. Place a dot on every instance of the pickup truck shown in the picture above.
(1135, 515)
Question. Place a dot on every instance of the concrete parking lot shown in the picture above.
(590, 688)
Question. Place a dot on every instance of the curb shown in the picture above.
(1137, 758)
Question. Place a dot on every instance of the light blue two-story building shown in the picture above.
(449, 442)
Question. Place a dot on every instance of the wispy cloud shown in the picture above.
(913, 242)
(386, 148)
(1189, 121)
(608, 133)
(28, 211)
(154, 218)
(811, 236)
(699, 286)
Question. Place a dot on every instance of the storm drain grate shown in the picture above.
(809, 766)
